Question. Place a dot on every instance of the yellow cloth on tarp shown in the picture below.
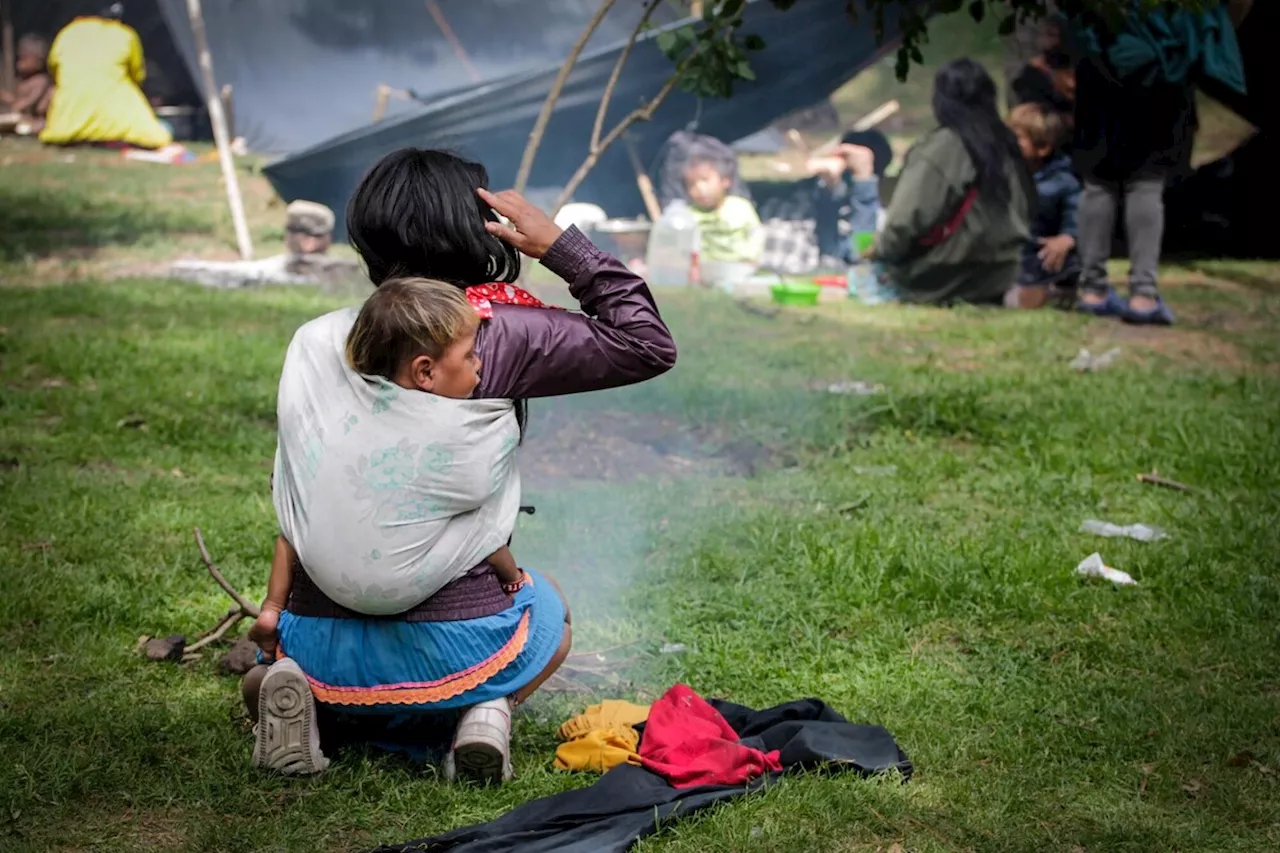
(602, 737)
(97, 67)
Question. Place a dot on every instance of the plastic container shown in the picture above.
(672, 255)
(798, 293)
(862, 242)
(726, 275)
(865, 285)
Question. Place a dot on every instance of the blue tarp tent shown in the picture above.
(811, 49)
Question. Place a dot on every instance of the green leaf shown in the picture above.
(666, 42)
(978, 10)
(753, 42)
(731, 8)
(743, 70)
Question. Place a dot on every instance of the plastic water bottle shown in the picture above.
(864, 282)
(672, 254)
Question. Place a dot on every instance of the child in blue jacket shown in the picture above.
(1050, 266)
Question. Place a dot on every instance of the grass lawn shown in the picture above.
(733, 506)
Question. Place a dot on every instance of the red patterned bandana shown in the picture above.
(483, 296)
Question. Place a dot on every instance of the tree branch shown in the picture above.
(540, 126)
(650, 6)
(643, 113)
(219, 632)
(249, 608)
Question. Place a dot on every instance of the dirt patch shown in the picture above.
(1184, 346)
(616, 446)
(129, 829)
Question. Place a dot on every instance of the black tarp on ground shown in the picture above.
(629, 803)
(811, 50)
(307, 70)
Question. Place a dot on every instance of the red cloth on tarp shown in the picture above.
(688, 743)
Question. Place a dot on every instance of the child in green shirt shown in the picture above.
(728, 226)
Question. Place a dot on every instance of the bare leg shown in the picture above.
(251, 686)
(566, 643)
(557, 660)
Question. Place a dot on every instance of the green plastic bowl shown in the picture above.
(796, 293)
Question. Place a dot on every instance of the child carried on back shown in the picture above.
(433, 511)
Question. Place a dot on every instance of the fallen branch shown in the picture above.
(246, 606)
(1154, 479)
(233, 616)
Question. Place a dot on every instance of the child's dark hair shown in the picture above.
(416, 213)
(877, 142)
(721, 168)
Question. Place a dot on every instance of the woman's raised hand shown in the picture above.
(531, 231)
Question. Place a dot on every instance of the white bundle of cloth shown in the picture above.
(387, 494)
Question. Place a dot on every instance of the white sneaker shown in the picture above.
(482, 744)
(286, 738)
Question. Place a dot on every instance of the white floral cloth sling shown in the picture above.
(387, 494)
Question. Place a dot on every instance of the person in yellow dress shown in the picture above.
(98, 68)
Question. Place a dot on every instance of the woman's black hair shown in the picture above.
(417, 213)
(964, 100)
(877, 142)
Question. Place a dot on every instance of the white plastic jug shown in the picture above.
(672, 254)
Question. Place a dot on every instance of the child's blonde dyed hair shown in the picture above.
(405, 318)
(1043, 127)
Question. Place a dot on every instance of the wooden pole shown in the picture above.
(868, 121)
(228, 110)
(381, 100)
(642, 180)
(9, 77)
(443, 23)
(213, 101)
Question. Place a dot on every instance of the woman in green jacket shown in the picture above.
(961, 210)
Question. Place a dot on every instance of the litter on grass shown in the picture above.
(1086, 361)
(1140, 532)
(1093, 567)
(856, 387)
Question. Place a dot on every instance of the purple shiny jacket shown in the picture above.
(618, 339)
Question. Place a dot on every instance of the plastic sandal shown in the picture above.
(1112, 306)
(1161, 315)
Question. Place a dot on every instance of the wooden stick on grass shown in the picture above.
(246, 606)
(1154, 479)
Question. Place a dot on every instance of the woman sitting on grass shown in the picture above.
(959, 216)
(469, 647)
